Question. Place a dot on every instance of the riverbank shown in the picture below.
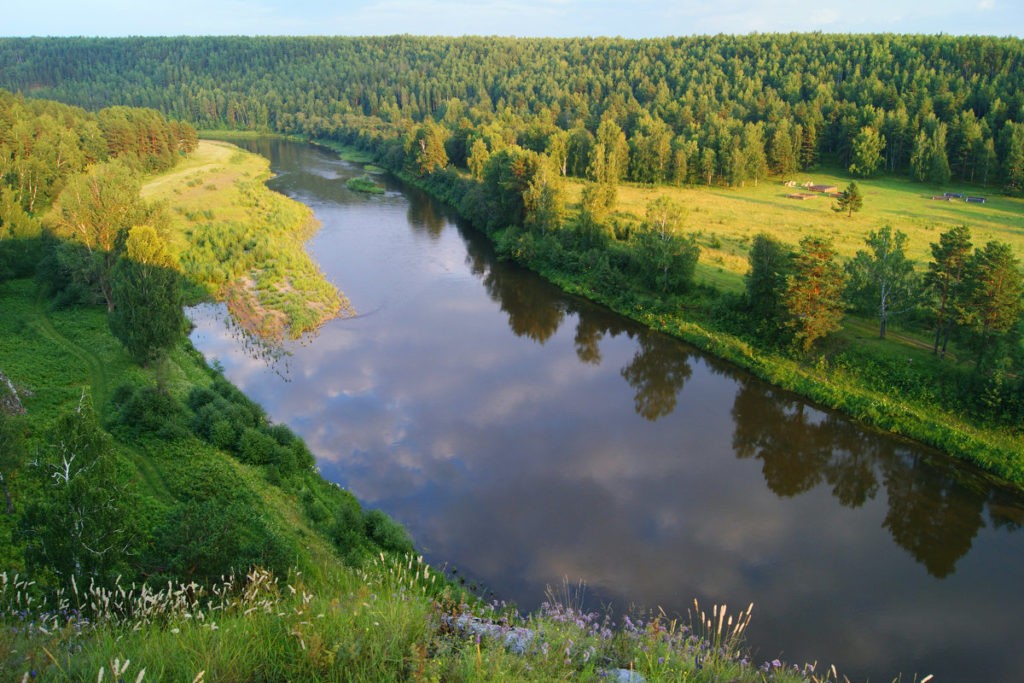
(239, 242)
(878, 388)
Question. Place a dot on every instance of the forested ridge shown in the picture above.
(686, 105)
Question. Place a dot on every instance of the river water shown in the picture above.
(527, 438)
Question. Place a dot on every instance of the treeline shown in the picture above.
(44, 144)
(718, 109)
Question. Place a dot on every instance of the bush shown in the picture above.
(386, 532)
(257, 448)
(202, 540)
(138, 411)
(347, 530)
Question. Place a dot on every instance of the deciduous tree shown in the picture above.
(866, 152)
(94, 208)
(84, 524)
(882, 280)
(147, 297)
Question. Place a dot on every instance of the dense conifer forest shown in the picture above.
(701, 109)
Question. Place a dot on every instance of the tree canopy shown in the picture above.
(703, 108)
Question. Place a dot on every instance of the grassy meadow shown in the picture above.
(244, 244)
(726, 219)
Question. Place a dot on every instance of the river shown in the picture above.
(527, 438)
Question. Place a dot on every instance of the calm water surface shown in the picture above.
(526, 437)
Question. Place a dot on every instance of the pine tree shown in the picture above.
(814, 291)
(771, 263)
(993, 304)
(849, 200)
(944, 278)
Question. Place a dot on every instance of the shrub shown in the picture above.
(203, 540)
(136, 411)
(256, 447)
(386, 532)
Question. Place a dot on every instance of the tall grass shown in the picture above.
(394, 619)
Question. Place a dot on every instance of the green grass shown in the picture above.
(735, 215)
(244, 244)
(391, 621)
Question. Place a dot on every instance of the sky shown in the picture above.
(557, 18)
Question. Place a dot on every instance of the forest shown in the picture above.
(712, 109)
(506, 130)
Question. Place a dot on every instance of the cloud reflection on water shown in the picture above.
(581, 446)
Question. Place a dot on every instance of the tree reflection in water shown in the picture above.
(658, 371)
(935, 506)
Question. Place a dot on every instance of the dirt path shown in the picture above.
(99, 380)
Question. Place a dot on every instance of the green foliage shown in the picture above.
(766, 283)
(868, 146)
(814, 291)
(426, 148)
(364, 183)
(145, 137)
(84, 525)
(96, 209)
(146, 315)
(742, 105)
(929, 161)
(13, 451)
(386, 533)
(137, 411)
(882, 282)
(849, 200)
(207, 538)
(993, 302)
(944, 280)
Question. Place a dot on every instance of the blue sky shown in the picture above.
(627, 18)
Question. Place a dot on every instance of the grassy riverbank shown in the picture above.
(244, 244)
(895, 385)
(726, 219)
